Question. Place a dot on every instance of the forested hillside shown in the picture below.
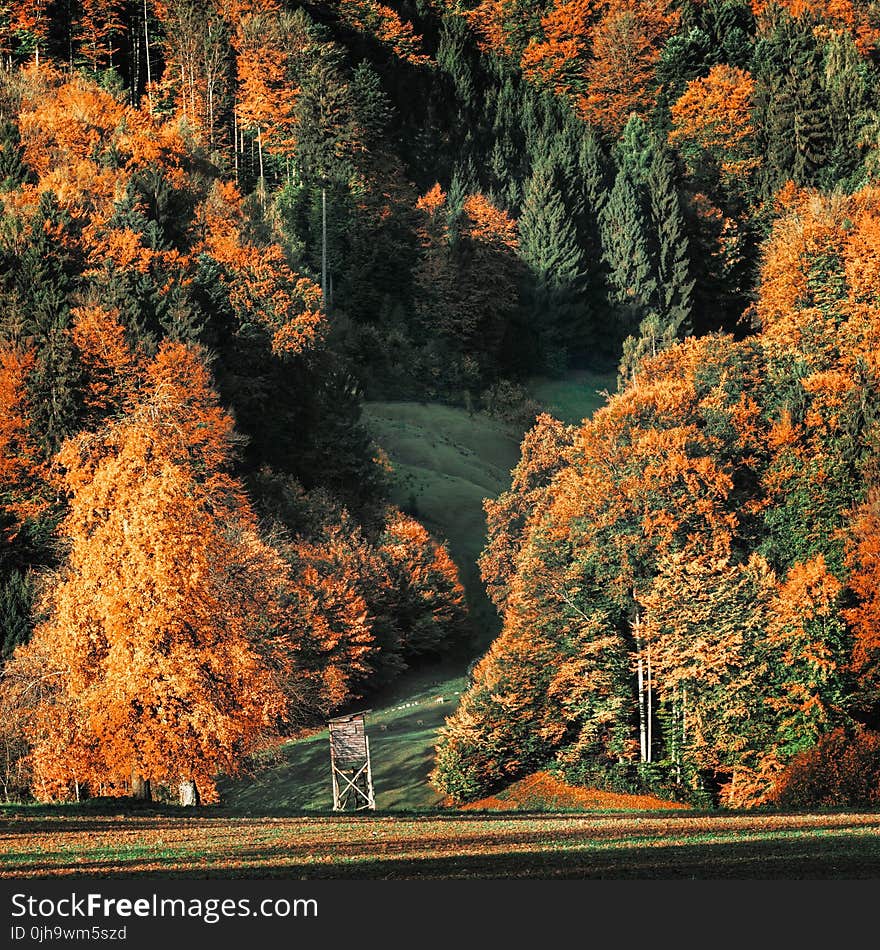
(225, 225)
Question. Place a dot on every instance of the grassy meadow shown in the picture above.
(48, 843)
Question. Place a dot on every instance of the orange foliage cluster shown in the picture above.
(266, 95)
(858, 17)
(261, 285)
(599, 53)
(84, 144)
(627, 43)
(23, 473)
(544, 791)
(640, 548)
(85, 147)
(714, 116)
(381, 21)
(559, 60)
(153, 629)
(840, 770)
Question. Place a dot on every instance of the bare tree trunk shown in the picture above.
(324, 247)
(140, 787)
(683, 726)
(650, 703)
(189, 794)
(147, 55)
(643, 734)
(262, 180)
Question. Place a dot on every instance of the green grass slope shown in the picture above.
(576, 396)
(446, 462)
(402, 730)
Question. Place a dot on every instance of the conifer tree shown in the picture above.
(16, 605)
(12, 170)
(791, 110)
(41, 280)
(549, 248)
(672, 261)
(626, 252)
(328, 135)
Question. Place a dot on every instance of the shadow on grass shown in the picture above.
(849, 856)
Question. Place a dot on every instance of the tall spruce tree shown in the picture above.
(548, 245)
(850, 89)
(39, 282)
(791, 111)
(626, 252)
(671, 252)
(328, 135)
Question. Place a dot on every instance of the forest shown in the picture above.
(227, 225)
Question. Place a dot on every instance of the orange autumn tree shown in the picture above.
(626, 46)
(159, 629)
(469, 273)
(29, 22)
(559, 60)
(376, 19)
(98, 31)
(24, 492)
(267, 43)
(864, 561)
(542, 455)
(429, 598)
(262, 287)
(713, 118)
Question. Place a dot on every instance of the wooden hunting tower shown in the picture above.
(350, 763)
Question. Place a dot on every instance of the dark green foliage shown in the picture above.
(672, 261)
(548, 245)
(627, 254)
(16, 605)
(850, 86)
(38, 278)
(719, 31)
(12, 169)
(791, 110)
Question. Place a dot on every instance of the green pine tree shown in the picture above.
(548, 245)
(39, 283)
(672, 254)
(12, 169)
(626, 252)
(16, 606)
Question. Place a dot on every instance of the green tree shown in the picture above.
(626, 253)
(549, 247)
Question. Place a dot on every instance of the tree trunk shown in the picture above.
(140, 787)
(324, 248)
(643, 735)
(189, 794)
(147, 57)
(262, 181)
(650, 703)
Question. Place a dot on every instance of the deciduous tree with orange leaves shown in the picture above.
(712, 120)
(159, 636)
(626, 47)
